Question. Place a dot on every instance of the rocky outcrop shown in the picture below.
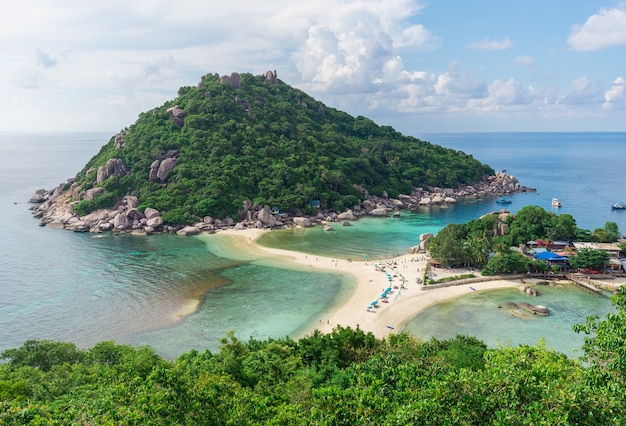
(529, 291)
(271, 77)
(381, 211)
(303, 222)
(234, 79)
(534, 309)
(347, 215)
(119, 141)
(421, 247)
(178, 115)
(188, 231)
(160, 168)
(113, 167)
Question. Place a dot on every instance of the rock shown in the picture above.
(535, 310)
(113, 167)
(121, 221)
(134, 214)
(92, 193)
(164, 168)
(150, 213)
(424, 201)
(38, 197)
(154, 222)
(304, 222)
(511, 305)
(266, 217)
(346, 223)
(529, 290)
(347, 215)
(328, 228)
(188, 231)
(378, 212)
(119, 140)
(271, 77)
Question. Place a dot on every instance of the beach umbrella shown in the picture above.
(384, 295)
(388, 289)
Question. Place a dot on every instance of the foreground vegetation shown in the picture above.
(347, 377)
(272, 144)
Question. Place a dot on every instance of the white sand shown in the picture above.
(402, 304)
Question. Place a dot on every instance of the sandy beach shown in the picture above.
(397, 277)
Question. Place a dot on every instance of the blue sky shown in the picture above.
(419, 66)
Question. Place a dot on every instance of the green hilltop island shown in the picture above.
(251, 151)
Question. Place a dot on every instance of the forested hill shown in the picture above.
(242, 137)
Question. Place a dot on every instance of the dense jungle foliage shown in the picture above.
(347, 377)
(476, 243)
(272, 144)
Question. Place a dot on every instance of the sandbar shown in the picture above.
(400, 274)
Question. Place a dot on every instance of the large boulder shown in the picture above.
(266, 217)
(165, 167)
(121, 221)
(188, 231)
(113, 167)
(150, 213)
(378, 212)
(92, 193)
(347, 215)
(534, 309)
(154, 222)
(304, 222)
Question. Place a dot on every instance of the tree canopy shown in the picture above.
(477, 243)
(270, 143)
(346, 377)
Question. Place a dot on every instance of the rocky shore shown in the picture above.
(54, 208)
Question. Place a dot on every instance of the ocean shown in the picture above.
(86, 288)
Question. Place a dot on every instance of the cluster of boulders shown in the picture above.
(422, 246)
(54, 207)
(501, 227)
(57, 212)
(531, 291)
(533, 309)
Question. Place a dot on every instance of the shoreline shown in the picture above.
(395, 277)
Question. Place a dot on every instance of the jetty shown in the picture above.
(585, 282)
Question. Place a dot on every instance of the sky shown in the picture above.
(421, 67)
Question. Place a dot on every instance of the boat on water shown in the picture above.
(503, 200)
(556, 203)
(619, 206)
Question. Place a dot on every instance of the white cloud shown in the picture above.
(615, 97)
(605, 29)
(99, 64)
(487, 44)
(582, 93)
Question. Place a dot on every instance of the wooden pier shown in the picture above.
(585, 282)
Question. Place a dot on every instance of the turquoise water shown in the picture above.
(76, 287)
(483, 314)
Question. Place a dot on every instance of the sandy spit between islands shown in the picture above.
(371, 279)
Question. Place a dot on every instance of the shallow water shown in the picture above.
(483, 314)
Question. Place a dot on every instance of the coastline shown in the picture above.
(404, 298)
